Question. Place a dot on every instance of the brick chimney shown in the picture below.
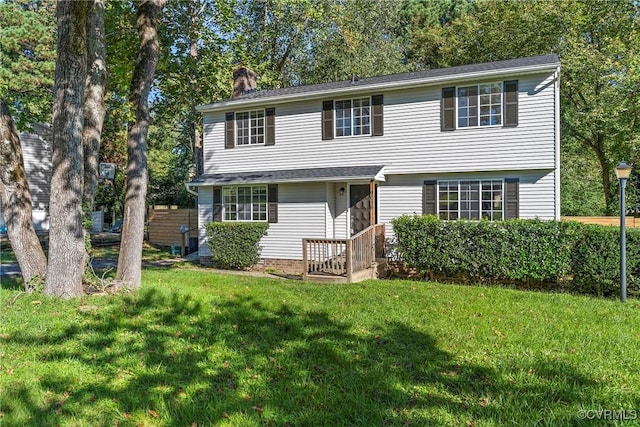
(244, 81)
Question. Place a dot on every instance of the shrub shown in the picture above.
(581, 258)
(235, 244)
(596, 261)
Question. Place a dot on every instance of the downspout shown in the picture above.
(190, 191)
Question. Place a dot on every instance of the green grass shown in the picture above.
(197, 348)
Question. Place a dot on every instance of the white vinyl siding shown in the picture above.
(408, 145)
(205, 216)
(37, 163)
(301, 213)
(402, 194)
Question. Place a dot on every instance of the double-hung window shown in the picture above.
(245, 203)
(470, 199)
(250, 127)
(480, 105)
(353, 117)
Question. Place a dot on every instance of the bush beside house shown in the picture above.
(556, 255)
(235, 244)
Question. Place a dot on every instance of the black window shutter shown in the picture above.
(270, 126)
(327, 119)
(272, 211)
(429, 190)
(512, 196)
(511, 103)
(229, 130)
(217, 204)
(448, 109)
(378, 120)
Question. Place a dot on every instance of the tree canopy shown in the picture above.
(297, 42)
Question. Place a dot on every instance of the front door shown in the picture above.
(359, 207)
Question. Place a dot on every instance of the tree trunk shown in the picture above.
(130, 259)
(16, 202)
(605, 171)
(93, 102)
(66, 240)
(193, 53)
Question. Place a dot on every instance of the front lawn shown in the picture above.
(197, 348)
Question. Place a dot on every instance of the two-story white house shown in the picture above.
(326, 161)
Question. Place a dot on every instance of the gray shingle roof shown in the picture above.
(291, 175)
(551, 60)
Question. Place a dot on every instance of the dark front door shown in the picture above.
(359, 207)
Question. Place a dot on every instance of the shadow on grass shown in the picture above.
(167, 359)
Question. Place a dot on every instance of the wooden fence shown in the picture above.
(165, 222)
(631, 222)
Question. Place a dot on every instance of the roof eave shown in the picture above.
(427, 81)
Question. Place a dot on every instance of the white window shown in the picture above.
(353, 117)
(470, 200)
(250, 127)
(245, 203)
(480, 105)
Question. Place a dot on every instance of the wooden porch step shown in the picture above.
(360, 276)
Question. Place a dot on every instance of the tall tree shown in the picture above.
(16, 202)
(66, 237)
(358, 38)
(423, 29)
(598, 45)
(130, 259)
(191, 33)
(94, 110)
(27, 61)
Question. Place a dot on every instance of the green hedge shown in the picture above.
(532, 253)
(235, 244)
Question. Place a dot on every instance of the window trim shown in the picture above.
(264, 127)
(477, 85)
(352, 127)
(480, 182)
(223, 203)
